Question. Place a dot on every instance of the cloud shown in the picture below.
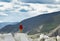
(4, 5)
(3, 14)
(23, 10)
(1, 21)
(45, 8)
(26, 11)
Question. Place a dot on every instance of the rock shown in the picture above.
(51, 39)
(21, 37)
(58, 38)
(8, 37)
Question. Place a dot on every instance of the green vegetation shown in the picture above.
(48, 27)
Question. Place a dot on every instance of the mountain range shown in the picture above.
(39, 24)
(42, 1)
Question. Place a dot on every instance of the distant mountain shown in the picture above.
(2, 24)
(39, 24)
(42, 1)
(10, 28)
(5, 0)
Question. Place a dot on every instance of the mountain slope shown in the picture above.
(31, 25)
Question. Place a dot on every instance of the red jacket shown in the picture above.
(21, 27)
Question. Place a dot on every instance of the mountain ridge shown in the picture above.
(49, 22)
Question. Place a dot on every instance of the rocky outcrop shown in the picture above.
(55, 31)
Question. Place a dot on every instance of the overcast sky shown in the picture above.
(18, 11)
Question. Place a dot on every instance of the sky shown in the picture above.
(17, 11)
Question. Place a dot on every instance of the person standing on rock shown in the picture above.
(21, 28)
